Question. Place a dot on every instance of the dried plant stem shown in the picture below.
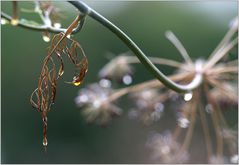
(224, 41)
(190, 130)
(175, 41)
(14, 11)
(205, 131)
(177, 132)
(144, 85)
(220, 54)
(216, 124)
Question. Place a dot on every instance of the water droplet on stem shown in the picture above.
(183, 122)
(46, 36)
(127, 79)
(44, 142)
(188, 96)
(14, 22)
(57, 25)
(3, 21)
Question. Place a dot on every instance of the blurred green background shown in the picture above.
(199, 25)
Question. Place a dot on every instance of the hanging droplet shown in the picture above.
(76, 83)
(44, 142)
(46, 36)
(183, 122)
(188, 96)
(105, 83)
(61, 71)
(127, 79)
(14, 22)
(57, 25)
(234, 159)
(4, 21)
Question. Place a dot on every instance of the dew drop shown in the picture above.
(44, 142)
(234, 159)
(105, 83)
(46, 36)
(188, 96)
(183, 122)
(57, 25)
(61, 72)
(14, 22)
(77, 83)
(3, 21)
(127, 79)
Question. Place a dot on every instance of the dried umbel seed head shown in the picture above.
(118, 70)
(149, 106)
(95, 104)
(164, 149)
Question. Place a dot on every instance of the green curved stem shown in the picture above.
(44, 27)
(85, 9)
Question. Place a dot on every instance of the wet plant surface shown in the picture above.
(154, 124)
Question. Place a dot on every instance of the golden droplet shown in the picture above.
(76, 83)
(14, 22)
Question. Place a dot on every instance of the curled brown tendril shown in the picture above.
(43, 97)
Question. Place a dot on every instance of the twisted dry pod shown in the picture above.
(43, 97)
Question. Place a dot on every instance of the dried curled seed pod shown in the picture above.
(43, 97)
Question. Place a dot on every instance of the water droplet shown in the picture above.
(46, 37)
(57, 25)
(234, 159)
(14, 22)
(77, 83)
(44, 142)
(127, 79)
(188, 96)
(208, 108)
(183, 122)
(68, 36)
(61, 72)
(105, 83)
(4, 21)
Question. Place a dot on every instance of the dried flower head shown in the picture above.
(95, 104)
(118, 69)
(149, 107)
(165, 149)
